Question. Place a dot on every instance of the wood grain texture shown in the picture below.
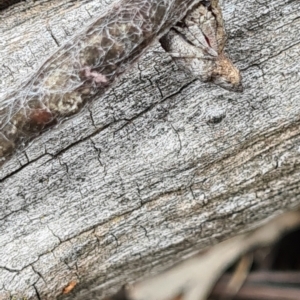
(158, 167)
(81, 69)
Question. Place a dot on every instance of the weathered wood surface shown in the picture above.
(88, 64)
(157, 168)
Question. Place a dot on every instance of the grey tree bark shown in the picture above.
(158, 167)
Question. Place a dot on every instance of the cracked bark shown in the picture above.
(85, 66)
(158, 167)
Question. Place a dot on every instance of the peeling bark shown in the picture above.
(158, 167)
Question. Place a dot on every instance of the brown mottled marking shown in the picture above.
(84, 67)
(69, 287)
